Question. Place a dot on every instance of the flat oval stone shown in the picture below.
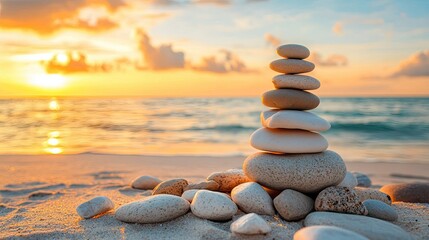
(369, 193)
(339, 199)
(293, 119)
(145, 182)
(290, 99)
(252, 198)
(380, 210)
(288, 141)
(229, 179)
(326, 232)
(208, 185)
(153, 209)
(362, 179)
(189, 194)
(172, 186)
(372, 228)
(293, 205)
(291, 66)
(250, 224)
(301, 82)
(213, 206)
(94, 207)
(293, 51)
(407, 192)
(349, 181)
(307, 173)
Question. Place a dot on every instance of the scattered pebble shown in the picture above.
(250, 224)
(94, 207)
(153, 209)
(349, 181)
(190, 194)
(326, 232)
(208, 185)
(172, 186)
(229, 179)
(369, 193)
(362, 179)
(407, 192)
(213, 206)
(252, 198)
(293, 205)
(339, 199)
(380, 210)
(145, 182)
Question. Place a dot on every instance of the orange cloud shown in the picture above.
(228, 63)
(271, 39)
(338, 28)
(332, 60)
(416, 65)
(48, 16)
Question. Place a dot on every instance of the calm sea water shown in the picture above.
(363, 129)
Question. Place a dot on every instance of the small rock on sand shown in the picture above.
(252, 198)
(145, 182)
(407, 192)
(229, 179)
(362, 179)
(250, 224)
(213, 206)
(293, 205)
(94, 207)
(208, 185)
(349, 181)
(380, 210)
(153, 209)
(369, 193)
(189, 194)
(325, 233)
(172, 186)
(339, 199)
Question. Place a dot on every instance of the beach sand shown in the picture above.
(39, 195)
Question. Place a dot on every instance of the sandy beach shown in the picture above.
(40, 193)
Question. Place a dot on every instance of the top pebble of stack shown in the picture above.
(293, 51)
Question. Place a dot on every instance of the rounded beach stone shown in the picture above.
(305, 173)
(94, 207)
(291, 66)
(380, 210)
(189, 194)
(172, 186)
(213, 206)
(288, 141)
(229, 179)
(369, 193)
(293, 51)
(293, 119)
(362, 179)
(252, 198)
(153, 209)
(339, 199)
(291, 99)
(250, 224)
(145, 182)
(349, 181)
(372, 228)
(301, 82)
(293, 205)
(208, 185)
(407, 192)
(326, 232)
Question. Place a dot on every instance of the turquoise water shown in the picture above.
(363, 129)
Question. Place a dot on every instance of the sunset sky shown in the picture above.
(209, 48)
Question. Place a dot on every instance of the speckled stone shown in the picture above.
(293, 51)
(213, 206)
(325, 233)
(172, 186)
(252, 198)
(291, 66)
(293, 205)
(145, 182)
(307, 173)
(288, 141)
(153, 209)
(290, 99)
(250, 224)
(301, 82)
(407, 192)
(208, 185)
(349, 181)
(94, 207)
(339, 199)
(369, 193)
(380, 210)
(372, 228)
(229, 179)
(293, 119)
(362, 179)
(189, 194)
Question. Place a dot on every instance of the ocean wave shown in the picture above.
(223, 128)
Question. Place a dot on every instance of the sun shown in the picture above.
(48, 81)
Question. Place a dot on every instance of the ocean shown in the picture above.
(363, 129)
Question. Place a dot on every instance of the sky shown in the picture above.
(208, 48)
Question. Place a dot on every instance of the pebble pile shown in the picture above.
(293, 176)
